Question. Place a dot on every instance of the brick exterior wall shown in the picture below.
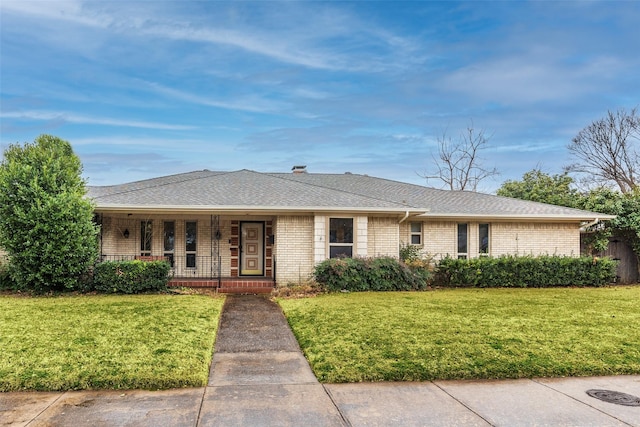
(301, 241)
(360, 240)
(383, 237)
(440, 238)
(320, 238)
(535, 239)
(294, 248)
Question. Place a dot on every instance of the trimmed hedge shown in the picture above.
(131, 277)
(525, 271)
(367, 274)
(5, 280)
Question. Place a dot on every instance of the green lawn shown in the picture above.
(469, 333)
(117, 342)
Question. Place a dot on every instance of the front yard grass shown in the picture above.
(99, 341)
(469, 333)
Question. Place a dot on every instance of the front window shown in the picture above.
(416, 233)
(191, 233)
(340, 237)
(483, 239)
(146, 234)
(169, 240)
(463, 241)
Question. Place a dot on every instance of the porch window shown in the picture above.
(340, 237)
(483, 239)
(463, 241)
(169, 240)
(416, 233)
(191, 232)
(146, 234)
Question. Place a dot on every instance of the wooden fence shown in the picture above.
(628, 261)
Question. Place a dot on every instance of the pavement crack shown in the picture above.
(204, 392)
(333, 402)
(463, 404)
(47, 407)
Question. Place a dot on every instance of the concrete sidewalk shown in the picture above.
(259, 377)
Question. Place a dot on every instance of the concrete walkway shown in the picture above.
(259, 377)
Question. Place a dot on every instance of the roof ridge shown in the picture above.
(285, 177)
(395, 181)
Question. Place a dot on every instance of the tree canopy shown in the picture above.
(607, 151)
(539, 186)
(46, 222)
(458, 164)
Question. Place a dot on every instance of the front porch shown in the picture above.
(205, 272)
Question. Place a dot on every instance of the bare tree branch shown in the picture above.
(458, 164)
(608, 150)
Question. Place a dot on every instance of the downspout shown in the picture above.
(590, 224)
(406, 215)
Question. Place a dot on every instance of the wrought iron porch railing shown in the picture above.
(182, 267)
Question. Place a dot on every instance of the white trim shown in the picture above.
(529, 217)
(253, 210)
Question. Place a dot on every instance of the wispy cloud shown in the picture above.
(253, 104)
(68, 117)
(296, 34)
(528, 79)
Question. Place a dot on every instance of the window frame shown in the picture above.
(413, 233)
(146, 237)
(191, 255)
(350, 245)
(487, 251)
(460, 253)
(169, 253)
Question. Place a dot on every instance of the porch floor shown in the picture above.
(235, 285)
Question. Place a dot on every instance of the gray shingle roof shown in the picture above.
(246, 190)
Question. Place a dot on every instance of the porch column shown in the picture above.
(319, 237)
(362, 237)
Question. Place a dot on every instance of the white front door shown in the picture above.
(251, 248)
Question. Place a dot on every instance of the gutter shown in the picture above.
(590, 224)
(406, 215)
(250, 209)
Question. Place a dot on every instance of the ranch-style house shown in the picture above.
(251, 231)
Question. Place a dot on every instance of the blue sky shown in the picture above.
(149, 88)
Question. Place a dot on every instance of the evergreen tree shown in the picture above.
(46, 223)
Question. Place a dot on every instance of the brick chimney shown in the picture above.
(299, 169)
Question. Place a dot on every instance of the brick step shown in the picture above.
(228, 285)
(263, 290)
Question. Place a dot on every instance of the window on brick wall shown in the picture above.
(416, 233)
(191, 234)
(340, 237)
(484, 243)
(169, 238)
(463, 241)
(146, 234)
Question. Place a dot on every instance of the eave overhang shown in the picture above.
(251, 210)
(518, 217)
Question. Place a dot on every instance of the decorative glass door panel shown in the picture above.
(251, 248)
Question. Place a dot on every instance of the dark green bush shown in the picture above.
(367, 274)
(526, 271)
(410, 252)
(46, 222)
(131, 277)
(5, 281)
